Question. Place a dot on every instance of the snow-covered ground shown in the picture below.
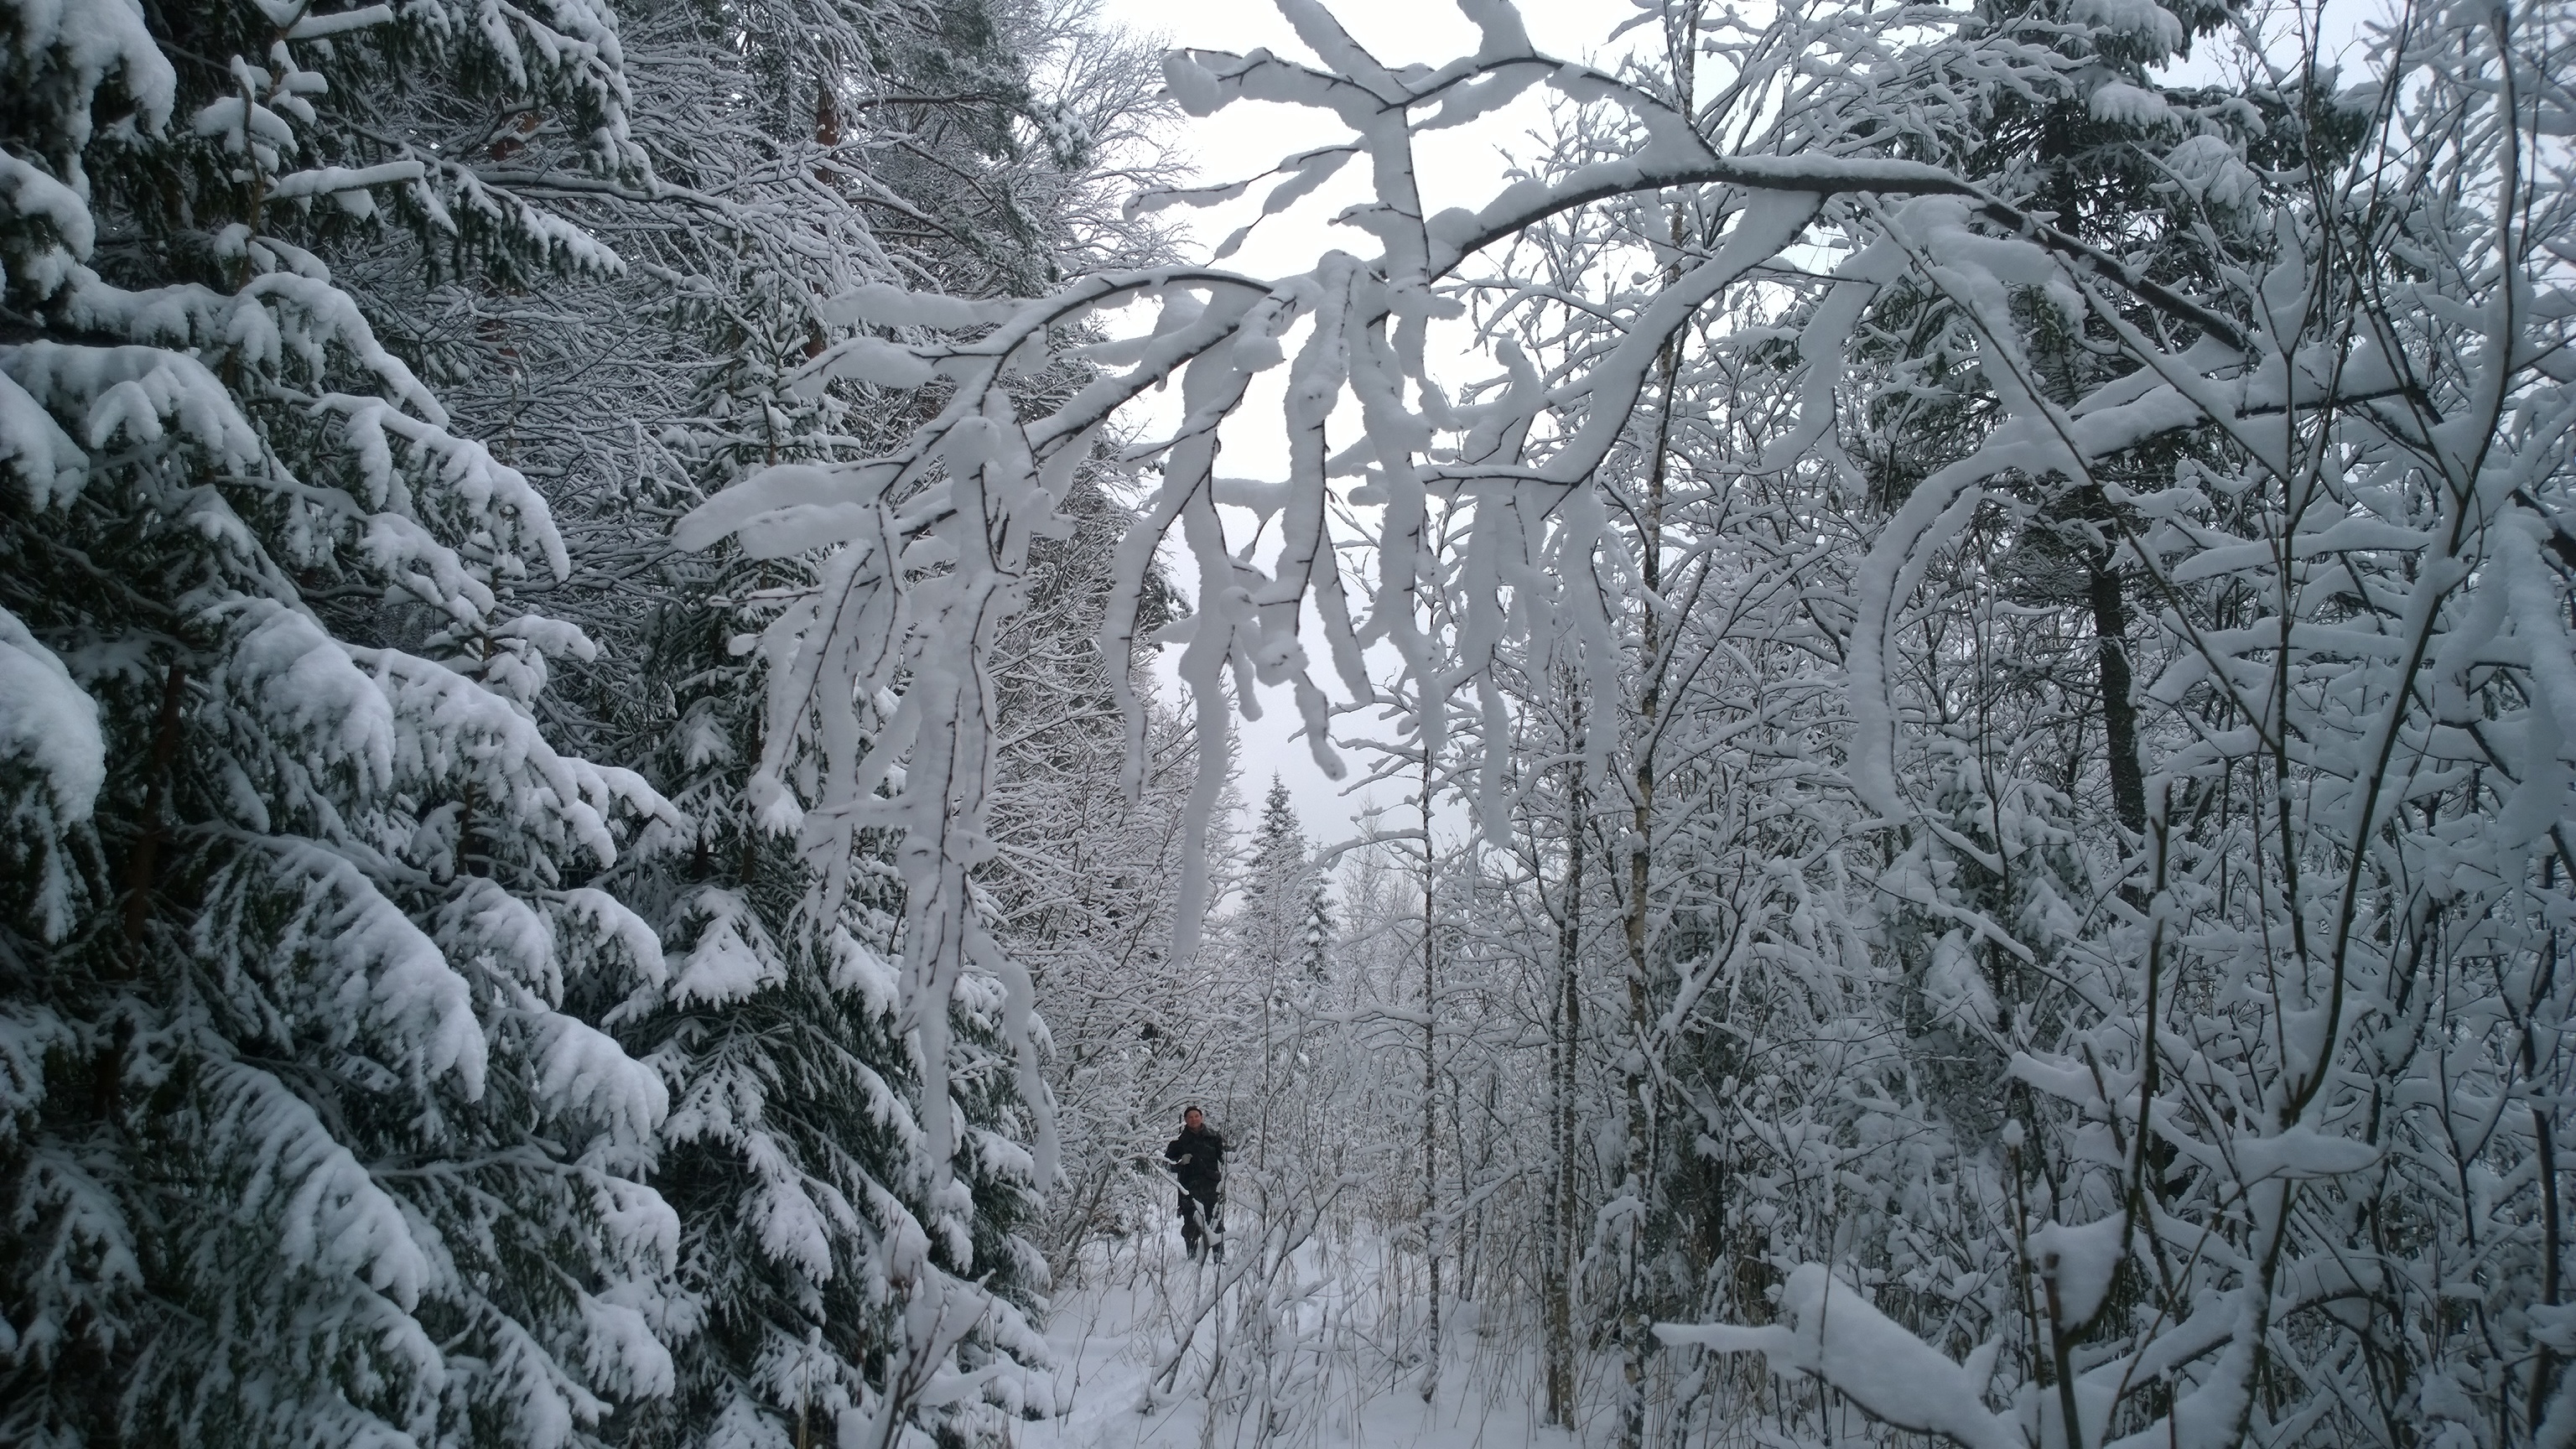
(1329, 1359)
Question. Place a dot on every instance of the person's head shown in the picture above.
(1192, 1120)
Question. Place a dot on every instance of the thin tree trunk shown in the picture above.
(2119, 713)
(145, 863)
(1430, 1080)
(1561, 1250)
(142, 871)
(1633, 1335)
(1632, 1316)
(2544, 1125)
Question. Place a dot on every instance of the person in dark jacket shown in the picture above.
(1197, 1157)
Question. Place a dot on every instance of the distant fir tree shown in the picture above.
(1285, 924)
(1315, 954)
(1268, 980)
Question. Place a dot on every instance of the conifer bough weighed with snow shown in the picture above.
(347, 1095)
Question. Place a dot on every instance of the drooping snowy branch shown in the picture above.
(1831, 1332)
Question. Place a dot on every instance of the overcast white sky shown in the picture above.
(1248, 138)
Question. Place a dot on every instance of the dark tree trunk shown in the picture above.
(2119, 714)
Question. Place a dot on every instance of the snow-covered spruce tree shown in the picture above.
(1282, 925)
(834, 1263)
(2121, 161)
(795, 1150)
(301, 1145)
(1271, 951)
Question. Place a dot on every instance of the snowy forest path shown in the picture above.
(1326, 1373)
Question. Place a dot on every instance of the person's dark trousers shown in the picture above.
(1202, 1220)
